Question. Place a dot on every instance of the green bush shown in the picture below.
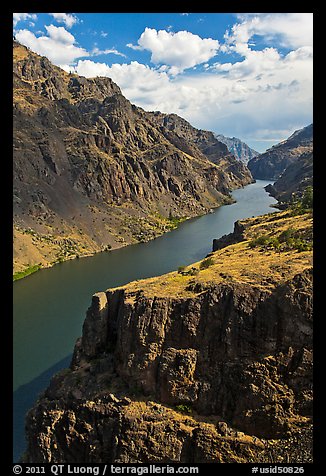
(193, 271)
(186, 409)
(264, 241)
(206, 263)
(287, 240)
(298, 206)
(190, 272)
(287, 235)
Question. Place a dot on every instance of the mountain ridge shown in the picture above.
(271, 164)
(294, 181)
(94, 172)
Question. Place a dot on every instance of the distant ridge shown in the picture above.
(238, 148)
(272, 163)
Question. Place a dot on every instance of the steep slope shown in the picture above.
(272, 163)
(94, 172)
(212, 363)
(294, 180)
(201, 144)
(238, 148)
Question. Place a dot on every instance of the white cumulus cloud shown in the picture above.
(179, 51)
(67, 18)
(59, 45)
(291, 30)
(17, 17)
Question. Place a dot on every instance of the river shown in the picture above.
(50, 305)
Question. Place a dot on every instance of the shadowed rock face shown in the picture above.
(209, 351)
(294, 180)
(86, 160)
(238, 355)
(272, 163)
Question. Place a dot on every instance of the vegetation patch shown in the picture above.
(299, 206)
(188, 272)
(26, 272)
(289, 239)
(173, 221)
(206, 263)
(185, 409)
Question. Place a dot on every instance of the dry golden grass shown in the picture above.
(236, 263)
(276, 223)
(29, 102)
(20, 53)
(28, 253)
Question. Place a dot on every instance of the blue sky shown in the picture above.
(243, 75)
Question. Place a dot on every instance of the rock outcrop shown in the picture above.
(212, 363)
(92, 168)
(271, 164)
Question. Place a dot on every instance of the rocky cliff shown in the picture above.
(293, 181)
(272, 163)
(93, 171)
(238, 148)
(212, 363)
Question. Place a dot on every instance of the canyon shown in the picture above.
(94, 172)
(210, 363)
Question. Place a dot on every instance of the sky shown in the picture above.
(245, 75)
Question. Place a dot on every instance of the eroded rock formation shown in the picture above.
(93, 168)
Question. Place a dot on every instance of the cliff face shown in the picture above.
(210, 350)
(238, 148)
(294, 180)
(227, 340)
(272, 163)
(93, 171)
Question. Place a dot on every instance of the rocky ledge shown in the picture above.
(200, 365)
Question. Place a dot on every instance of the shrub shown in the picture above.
(287, 240)
(206, 263)
(298, 206)
(287, 235)
(193, 271)
(264, 241)
(190, 272)
(307, 198)
(186, 409)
